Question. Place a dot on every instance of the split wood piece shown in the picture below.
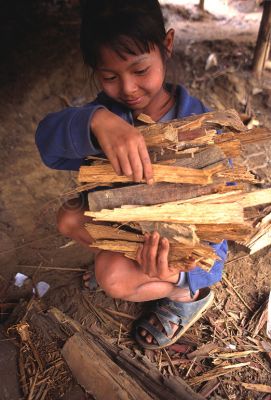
(216, 233)
(231, 149)
(217, 119)
(161, 173)
(184, 234)
(262, 237)
(202, 141)
(236, 174)
(230, 143)
(244, 137)
(245, 199)
(210, 233)
(190, 233)
(150, 194)
(196, 157)
(204, 255)
(98, 232)
(140, 369)
(173, 212)
(98, 375)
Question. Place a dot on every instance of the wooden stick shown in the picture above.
(151, 194)
(215, 373)
(54, 268)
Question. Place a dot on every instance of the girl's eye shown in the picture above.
(142, 71)
(109, 78)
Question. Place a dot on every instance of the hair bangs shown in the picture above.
(128, 45)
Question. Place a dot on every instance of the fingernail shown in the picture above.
(150, 181)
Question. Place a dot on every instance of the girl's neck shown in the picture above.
(158, 107)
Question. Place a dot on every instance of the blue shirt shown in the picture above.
(64, 140)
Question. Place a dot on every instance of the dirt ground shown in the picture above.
(42, 72)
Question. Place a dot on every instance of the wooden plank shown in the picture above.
(137, 366)
(99, 375)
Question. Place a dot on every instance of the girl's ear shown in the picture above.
(169, 40)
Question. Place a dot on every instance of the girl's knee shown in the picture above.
(69, 217)
(109, 274)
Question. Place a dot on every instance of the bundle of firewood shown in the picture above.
(201, 193)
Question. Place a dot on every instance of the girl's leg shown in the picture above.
(71, 221)
(122, 278)
(117, 275)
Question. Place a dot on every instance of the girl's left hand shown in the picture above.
(152, 256)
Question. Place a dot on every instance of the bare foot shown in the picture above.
(185, 297)
(89, 281)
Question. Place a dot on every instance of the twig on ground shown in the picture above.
(226, 280)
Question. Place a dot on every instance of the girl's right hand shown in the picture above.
(123, 145)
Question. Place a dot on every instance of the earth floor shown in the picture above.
(43, 72)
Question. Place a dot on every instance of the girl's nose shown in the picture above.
(128, 86)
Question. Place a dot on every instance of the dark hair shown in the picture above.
(127, 26)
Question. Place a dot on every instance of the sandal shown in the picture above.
(179, 313)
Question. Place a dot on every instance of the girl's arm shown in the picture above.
(64, 138)
(123, 145)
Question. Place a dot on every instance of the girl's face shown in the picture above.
(137, 80)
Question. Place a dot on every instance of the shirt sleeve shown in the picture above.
(64, 138)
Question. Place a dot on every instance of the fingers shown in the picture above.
(131, 160)
(162, 260)
(136, 166)
(146, 162)
(148, 254)
(144, 254)
(139, 254)
(125, 164)
(115, 163)
(152, 254)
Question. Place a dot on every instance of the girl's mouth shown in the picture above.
(133, 102)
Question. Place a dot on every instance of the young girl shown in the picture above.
(126, 45)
